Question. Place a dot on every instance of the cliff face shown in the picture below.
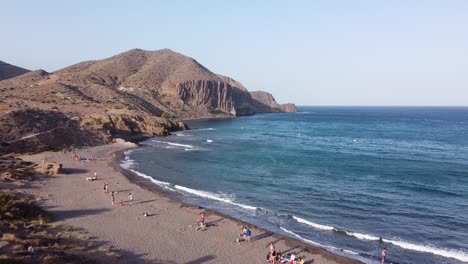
(9, 71)
(265, 103)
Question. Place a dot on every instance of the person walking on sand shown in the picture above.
(113, 197)
(384, 255)
(130, 199)
(95, 175)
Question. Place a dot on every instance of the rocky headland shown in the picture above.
(137, 92)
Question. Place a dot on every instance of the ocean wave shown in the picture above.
(127, 162)
(312, 224)
(448, 253)
(162, 184)
(308, 241)
(213, 196)
(203, 129)
(174, 144)
(362, 236)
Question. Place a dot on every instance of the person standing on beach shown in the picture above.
(272, 253)
(384, 255)
(202, 219)
(95, 175)
(130, 199)
(113, 197)
(248, 233)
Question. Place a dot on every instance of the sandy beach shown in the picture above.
(168, 235)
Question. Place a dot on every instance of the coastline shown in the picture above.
(174, 221)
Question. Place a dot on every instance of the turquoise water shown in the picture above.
(337, 177)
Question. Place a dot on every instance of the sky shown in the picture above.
(305, 52)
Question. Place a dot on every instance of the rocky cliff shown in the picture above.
(265, 103)
(9, 71)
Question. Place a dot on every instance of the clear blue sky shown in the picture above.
(306, 52)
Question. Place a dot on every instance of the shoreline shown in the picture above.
(143, 183)
(170, 228)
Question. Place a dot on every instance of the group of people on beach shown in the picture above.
(77, 157)
(276, 257)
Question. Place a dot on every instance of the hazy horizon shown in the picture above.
(321, 53)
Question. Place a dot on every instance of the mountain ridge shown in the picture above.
(132, 87)
(8, 71)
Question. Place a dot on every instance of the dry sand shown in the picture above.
(168, 235)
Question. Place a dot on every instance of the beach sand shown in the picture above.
(168, 235)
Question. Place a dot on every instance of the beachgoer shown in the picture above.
(244, 232)
(95, 175)
(202, 218)
(384, 255)
(130, 198)
(301, 260)
(248, 233)
(145, 214)
(273, 257)
(106, 188)
(113, 198)
(272, 247)
(268, 257)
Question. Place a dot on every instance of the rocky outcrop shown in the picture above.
(128, 124)
(265, 103)
(289, 108)
(35, 130)
(51, 168)
(9, 71)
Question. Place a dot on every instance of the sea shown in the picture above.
(352, 180)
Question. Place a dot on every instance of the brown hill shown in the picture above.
(130, 93)
(9, 71)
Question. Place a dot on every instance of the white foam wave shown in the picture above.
(301, 238)
(163, 184)
(312, 224)
(213, 196)
(361, 236)
(174, 144)
(448, 253)
(204, 129)
(126, 164)
(308, 241)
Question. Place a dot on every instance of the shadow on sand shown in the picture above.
(62, 215)
(201, 260)
(74, 171)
